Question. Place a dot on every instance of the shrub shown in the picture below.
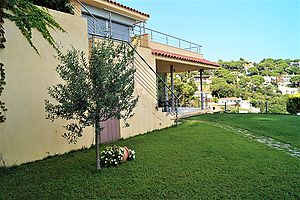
(293, 104)
(60, 5)
(278, 105)
(131, 154)
(111, 156)
(115, 155)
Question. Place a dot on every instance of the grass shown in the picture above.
(191, 161)
(284, 128)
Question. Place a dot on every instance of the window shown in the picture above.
(120, 31)
(100, 26)
(96, 26)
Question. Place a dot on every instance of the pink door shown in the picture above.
(111, 131)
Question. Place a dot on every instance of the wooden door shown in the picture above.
(111, 131)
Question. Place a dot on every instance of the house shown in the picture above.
(247, 66)
(284, 80)
(27, 136)
(205, 80)
(244, 106)
(287, 90)
(231, 101)
(269, 80)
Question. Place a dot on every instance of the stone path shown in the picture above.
(287, 148)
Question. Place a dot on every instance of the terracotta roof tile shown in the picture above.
(182, 57)
(127, 8)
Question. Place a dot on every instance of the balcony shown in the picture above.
(160, 41)
(171, 51)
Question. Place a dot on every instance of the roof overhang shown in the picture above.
(116, 7)
(181, 63)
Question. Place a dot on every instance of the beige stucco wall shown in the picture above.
(147, 116)
(26, 135)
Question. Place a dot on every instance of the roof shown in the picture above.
(182, 57)
(127, 8)
(231, 98)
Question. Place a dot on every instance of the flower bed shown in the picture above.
(115, 155)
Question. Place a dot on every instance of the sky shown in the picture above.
(229, 30)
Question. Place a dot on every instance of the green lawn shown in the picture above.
(284, 128)
(194, 160)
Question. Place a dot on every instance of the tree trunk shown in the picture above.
(97, 132)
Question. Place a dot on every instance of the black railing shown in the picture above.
(143, 80)
(157, 36)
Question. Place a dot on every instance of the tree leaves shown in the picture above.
(61, 5)
(27, 16)
(95, 91)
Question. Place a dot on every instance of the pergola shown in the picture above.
(167, 62)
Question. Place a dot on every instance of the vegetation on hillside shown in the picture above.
(184, 88)
(266, 67)
(245, 79)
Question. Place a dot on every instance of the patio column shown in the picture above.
(172, 87)
(166, 92)
(201, 89)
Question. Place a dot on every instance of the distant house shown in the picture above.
(205, 80)
(231, 101)
(284, 80)
(244, 105)
(269, 80)
(288, 90)
(247, 66)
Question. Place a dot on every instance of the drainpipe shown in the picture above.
(166, 93)
(172, 87)
(201, 89)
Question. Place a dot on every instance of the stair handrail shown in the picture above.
(141, 57)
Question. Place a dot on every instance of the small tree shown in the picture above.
(93, 92)
(295, 80)
(293, 104)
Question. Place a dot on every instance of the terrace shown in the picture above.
(168, 54)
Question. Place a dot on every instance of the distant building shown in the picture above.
(245, 104)
(234, 101)
(269, 80)
(287, 90)
(284, 80)
(206, 80)
(247, 66)
(231, 101)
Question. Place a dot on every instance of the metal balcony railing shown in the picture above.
(156, 36)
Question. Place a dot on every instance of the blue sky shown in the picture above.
(229, 30)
